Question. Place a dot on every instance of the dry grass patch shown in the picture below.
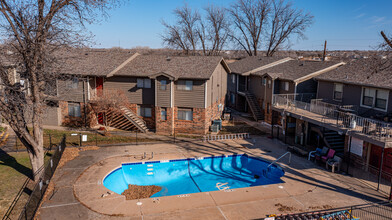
(140, 192)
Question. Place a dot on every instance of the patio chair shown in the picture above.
(334, 162)
(312, 154)
(323, 152)
(330, 155)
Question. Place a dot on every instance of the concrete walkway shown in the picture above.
(78, 186)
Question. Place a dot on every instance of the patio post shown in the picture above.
(349, 155)
(380, 170)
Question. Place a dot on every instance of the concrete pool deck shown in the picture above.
(78, 186)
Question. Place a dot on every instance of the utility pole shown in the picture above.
(325, 50)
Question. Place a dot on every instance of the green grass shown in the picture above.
(14, 169)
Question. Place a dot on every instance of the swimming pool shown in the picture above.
(195, 175)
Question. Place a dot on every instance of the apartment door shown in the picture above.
(99, 89)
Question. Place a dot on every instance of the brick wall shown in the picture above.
(167, 126)
(196, 126)
(70, 121)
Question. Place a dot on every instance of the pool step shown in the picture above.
(150, 173)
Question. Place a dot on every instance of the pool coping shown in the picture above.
(192, 158)
(103, 196)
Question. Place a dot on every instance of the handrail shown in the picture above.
(281, 158)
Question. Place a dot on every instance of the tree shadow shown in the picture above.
(8, 160)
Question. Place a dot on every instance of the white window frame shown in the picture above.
(188, 111)
(163, 84)
(164, 114)
(73, 83)
(74, 109)
(374, 99)
(145, 112)
(185, 85)
(334, 91)
(143, 83)
(286, 86)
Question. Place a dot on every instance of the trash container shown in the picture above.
(219, 123)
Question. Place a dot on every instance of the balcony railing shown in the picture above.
(339, 116)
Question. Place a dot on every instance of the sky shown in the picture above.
(345, 24)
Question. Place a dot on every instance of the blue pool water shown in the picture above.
(195, 175)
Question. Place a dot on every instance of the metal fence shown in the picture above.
(38, 188)
(335, 115)
(373, 211)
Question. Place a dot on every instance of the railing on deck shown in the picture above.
(339, 116)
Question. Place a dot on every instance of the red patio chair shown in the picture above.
(330, 155)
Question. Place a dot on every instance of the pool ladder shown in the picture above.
(269, 166)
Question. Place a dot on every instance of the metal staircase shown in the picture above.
(334, 141)
(129, 121)
(257, 113)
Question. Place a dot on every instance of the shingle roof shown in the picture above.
(250, 63)
(373, 72)
(92, 62)
(191, 67)
(295, 69)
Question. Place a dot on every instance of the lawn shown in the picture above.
(14, 169)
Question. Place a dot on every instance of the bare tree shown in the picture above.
(109, 103)
(286, 21)
(249, 18)
(215, 32)
(33, 31)
(193, 32)
(184, 33)
(387, 40)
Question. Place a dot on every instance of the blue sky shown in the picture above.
(345, 24)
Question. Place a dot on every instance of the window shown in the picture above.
(368, 97)
(185, 85)
(233, 78)
(381, 99)
(232, 98)
(185, 114)
(286, 86)
(163, 114)
(74, 109)
(73, 84)
(338, 91)
(375, 98)
(163, 84)
(144, 83)
(144, 112)
(264, 81)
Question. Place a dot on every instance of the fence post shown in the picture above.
(50, 141)
(16, 143)
(96, 139)
(80, 139)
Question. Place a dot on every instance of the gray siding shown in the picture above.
(308, 86)
(190, 99)
(217, 85)
(52, 114)
(129, 86)
(351, 96)
(69, 94)
(256, 86)
(163, 96)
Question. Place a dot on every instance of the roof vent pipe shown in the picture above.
(168, 58)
